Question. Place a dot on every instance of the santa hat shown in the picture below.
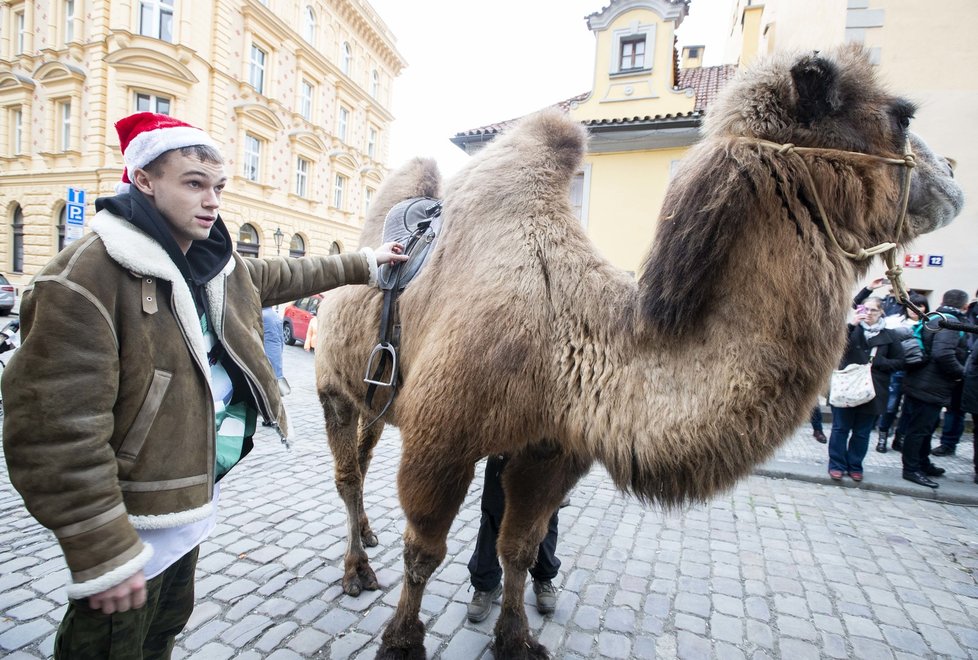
(145, 136)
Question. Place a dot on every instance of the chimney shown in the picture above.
(692, 57)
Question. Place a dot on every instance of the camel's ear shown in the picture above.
(817, 85)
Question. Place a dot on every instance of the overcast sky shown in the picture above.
(472, 63)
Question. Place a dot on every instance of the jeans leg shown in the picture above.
(816, 418)
(859, 442)
(953, 428)
(892, 401)
(484, 569)
(842, 420)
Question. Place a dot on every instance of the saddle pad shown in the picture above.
(400, 225)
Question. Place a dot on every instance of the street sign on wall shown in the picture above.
(74, 215)
(935, 260)
(913, 261)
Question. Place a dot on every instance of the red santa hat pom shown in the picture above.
(145, 136)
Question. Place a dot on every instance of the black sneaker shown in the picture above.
(546, 594)
(942, 450)
(481, 603)
(934, 471)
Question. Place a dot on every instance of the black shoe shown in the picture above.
(819, 437)
(942, 450)
(897, 443)
(921, 479)
(934, 471)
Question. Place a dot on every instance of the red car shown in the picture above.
(296, 318)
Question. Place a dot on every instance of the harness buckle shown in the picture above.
(376, 363)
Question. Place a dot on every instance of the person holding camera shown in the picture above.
(869, 342)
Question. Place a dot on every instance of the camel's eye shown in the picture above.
(902, 112)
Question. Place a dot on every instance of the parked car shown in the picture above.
(297, 316)
(7, 296)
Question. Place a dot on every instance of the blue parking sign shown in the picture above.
(75, 207)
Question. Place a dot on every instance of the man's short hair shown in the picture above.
(955, 298)
(202, 152)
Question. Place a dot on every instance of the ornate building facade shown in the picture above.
(297, 92)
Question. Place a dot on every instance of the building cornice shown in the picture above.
(668, 10)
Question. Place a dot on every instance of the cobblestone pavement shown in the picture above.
(774, 568)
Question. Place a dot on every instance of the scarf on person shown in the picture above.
(870, 331)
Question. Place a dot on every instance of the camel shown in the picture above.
(519, 339)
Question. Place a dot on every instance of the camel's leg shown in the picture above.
(534, 482)
(349, 469)
(431, 489)
(366, 442)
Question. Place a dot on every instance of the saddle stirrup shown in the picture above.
(375, 363)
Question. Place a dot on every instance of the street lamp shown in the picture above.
(278, 236)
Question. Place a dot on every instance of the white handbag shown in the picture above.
(853, 385)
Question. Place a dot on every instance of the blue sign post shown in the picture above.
(74, 215)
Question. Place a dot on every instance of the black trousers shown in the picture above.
(484, 567)
(143, 634)
(922, 418)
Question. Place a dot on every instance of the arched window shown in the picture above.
(297, 246)
(334, 248)
(62, 222)
(346, 59)
(375, 84)
(17, 264)
(248, 243)
(309, 25)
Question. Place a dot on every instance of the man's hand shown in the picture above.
(390, 252)
(128, 595)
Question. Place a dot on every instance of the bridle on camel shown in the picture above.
(888, 250)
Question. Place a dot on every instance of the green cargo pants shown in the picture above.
(143, 634)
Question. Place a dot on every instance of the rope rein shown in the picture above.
(888, 250)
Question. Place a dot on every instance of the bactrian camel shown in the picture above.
(519, 339)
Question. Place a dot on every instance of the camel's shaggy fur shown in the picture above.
(520, 339)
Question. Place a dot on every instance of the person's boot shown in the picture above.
(481, 603)
(881, 443)
(897, 442)
(819, 437)
(943, 450)
(546, 594)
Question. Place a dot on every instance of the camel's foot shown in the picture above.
(520, 648)
(368, 538)
(359, 578)
(403, 644)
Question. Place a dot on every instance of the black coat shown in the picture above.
(935, 381)
(889, 358)
(969, 395)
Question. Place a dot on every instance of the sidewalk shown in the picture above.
(803, 459)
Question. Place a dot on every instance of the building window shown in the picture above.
(20, 29)
(297, 246)
(346, 59)
(64, 125)
(69, 6)
(152, 103)
(339, 188)
(341, 123)
(18, 243)
(693, 52)
(17, 131)
(334, 248)
(256, 70)
(368, 197)
(305, 100)
(252, 157)
(62, 223)
(301, 176)
(374, 84)
(156, 19)
(309, 25)
(632, 53)
(248, 241)
(372, 143)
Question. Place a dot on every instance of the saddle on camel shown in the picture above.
(518, 338)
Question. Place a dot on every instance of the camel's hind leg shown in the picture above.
(534, 482)
(431, 488)
(352, 448)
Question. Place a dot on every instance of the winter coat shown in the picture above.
(969, 394)
(889, 358)
(110, 419)
(935, 381)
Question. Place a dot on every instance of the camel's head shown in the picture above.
(835, 101)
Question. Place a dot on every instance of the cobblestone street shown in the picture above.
(793, 568)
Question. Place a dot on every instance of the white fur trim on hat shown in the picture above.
(77, 590)
(147, 146)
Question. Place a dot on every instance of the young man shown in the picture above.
(139, 383)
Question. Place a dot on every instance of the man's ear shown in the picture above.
(143, 182)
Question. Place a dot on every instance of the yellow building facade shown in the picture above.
(297, 93)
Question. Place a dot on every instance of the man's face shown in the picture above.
(187, 193)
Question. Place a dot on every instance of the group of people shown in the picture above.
(910, 395)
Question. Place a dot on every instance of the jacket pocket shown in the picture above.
(138, 432)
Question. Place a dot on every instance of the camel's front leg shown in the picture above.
(431, 488)
(351, 457)
(534, 483)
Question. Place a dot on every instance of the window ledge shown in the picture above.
(631, 72)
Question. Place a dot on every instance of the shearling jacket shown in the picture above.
(109, 422)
